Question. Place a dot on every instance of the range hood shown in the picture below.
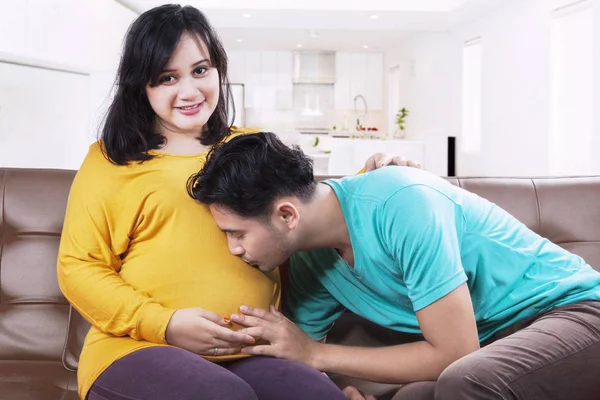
(315, 67)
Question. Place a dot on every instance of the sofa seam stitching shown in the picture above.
(65, 390)
(537, 200)
(66, 342)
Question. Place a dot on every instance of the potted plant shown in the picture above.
(400, 121)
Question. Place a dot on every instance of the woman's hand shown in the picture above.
(285, 339)
(205, 333)
(353, 393)
(379, 160)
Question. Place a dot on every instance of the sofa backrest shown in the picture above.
(564, 210)
(33, 311)
(34, 316)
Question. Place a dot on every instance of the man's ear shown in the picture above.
(287, 214)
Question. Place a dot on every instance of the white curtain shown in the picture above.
(571, 89)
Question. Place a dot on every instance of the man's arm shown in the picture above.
(421, 228)
(448, 326)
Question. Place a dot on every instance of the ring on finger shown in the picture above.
(215, 351)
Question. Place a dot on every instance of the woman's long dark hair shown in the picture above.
(128, 130)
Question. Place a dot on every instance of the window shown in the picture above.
(571, 89)
(471, 97)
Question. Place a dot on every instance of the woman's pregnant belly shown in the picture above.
(215, 281)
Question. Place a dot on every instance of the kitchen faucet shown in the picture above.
(365, 114)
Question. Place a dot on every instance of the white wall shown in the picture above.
(74, 32)
(43, 122)
(85, 36)
(515, 90)
(428, 90)
(596, 67)
(516, 81)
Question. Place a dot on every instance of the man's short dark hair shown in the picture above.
(249, 172)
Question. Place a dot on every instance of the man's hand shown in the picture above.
(285, 339)
(379, 160)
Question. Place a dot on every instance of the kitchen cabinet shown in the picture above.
(343, 79)
(358, 77)
(284, 95)
(267, 77)
(236, 66)
(252, 79)
(358, 73)
(375, 81)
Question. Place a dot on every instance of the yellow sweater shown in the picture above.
(135, 248)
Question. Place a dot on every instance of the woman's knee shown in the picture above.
(217, 383)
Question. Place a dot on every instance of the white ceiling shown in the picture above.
(342, 5)
(328, 24)
(289, 39)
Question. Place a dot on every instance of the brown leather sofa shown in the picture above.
(40, 335)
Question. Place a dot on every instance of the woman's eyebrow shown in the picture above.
(193, 65)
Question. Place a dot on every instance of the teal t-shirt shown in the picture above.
(416, 238)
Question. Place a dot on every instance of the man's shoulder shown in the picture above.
(381, 184)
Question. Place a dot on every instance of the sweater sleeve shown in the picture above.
(95, 234)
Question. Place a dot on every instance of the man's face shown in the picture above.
(256, 241)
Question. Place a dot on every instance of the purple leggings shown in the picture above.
(169, 373)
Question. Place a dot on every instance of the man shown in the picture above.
(406, 250)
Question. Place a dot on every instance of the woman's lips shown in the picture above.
(190, 110)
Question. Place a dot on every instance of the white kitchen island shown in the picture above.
(346, 156)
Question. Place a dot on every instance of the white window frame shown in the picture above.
(471, 96)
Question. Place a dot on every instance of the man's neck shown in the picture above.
(325, 223)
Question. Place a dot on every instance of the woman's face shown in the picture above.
(187, 90)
